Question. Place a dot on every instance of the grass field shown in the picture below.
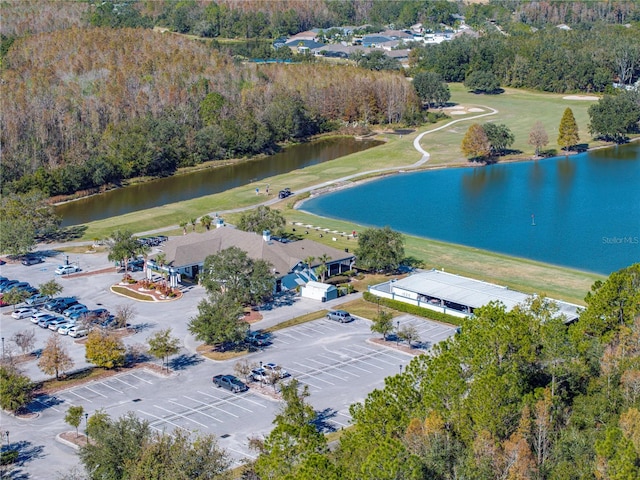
(518, 109)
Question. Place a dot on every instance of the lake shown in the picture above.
(206, 182)
(581, 212)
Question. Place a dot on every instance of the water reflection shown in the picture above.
(476, 181)
(206, 182)
(566, 173)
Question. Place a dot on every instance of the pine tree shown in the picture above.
(568, 130)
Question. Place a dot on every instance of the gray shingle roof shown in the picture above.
(192, 249)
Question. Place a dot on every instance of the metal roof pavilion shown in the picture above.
(469, 292)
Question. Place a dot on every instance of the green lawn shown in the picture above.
(518, 109)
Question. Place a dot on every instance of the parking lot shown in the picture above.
(338, 363)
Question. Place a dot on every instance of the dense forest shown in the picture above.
(109, 104)
(93, 96)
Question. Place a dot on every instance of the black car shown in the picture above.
(284, 193)
(32, 260)
(230, 383)
(60, 304)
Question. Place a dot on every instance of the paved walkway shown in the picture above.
(416, 144)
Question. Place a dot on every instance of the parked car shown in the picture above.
(259, 375)
(6, 286)
(230, 383)
(37, 299)
(340, 316)
(66, 328)
(25, 312)
(45, 322)
(60, 304)
(76, 308)
(35, 318)
(32, 260)
(257, 338)
(78, 331)
(276, 369)
(28, 289)
(284, 193)
(57, 323)
(66, 269)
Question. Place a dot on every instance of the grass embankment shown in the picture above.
(518, 109)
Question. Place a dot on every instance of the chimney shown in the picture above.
(266, 235)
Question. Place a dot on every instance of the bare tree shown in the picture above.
(25, 340)
(538, 137)
(243, 368)
(124, 314)
(408, 333)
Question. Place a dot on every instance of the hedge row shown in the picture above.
(413, 309)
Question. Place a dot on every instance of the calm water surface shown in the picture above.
(581, 212)
(206, 182)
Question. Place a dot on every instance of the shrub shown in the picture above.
(413, 309)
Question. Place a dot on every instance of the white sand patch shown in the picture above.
(474, 109)
(458, 112)
(581, 97)
(457, 107)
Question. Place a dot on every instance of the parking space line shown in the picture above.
(105, 384)
(305, 374)
(72, 392)
(334, 366)
(163, 420)
(226, 401)
(381, 353)
(254, 402)
(350, 362)
(317, 370)
(46, 405)
(139, 378)
(204, 406)
(279, 340)
(333, 420)
(244, 454)
(127, 384)
(371, 355)
(97, 393)
(217, 408)
(181, 415)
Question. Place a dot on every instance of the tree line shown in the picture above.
(136, 103)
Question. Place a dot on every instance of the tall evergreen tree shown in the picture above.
(568, 130)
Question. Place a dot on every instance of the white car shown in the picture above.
(77, 331)
(36, 317)
(24, 312)
(66, 328)
(57, 323)
(66, 269)
(275, 368)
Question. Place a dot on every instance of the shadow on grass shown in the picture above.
(66, 234)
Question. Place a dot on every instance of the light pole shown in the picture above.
(86, 425)
(6, 433)
(397, 333)
(400, 369)
(3, 349)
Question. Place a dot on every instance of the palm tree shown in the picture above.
(183, 226)
(324, 258)
(193, 222)
(206, 221)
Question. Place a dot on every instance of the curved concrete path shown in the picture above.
(416, 144)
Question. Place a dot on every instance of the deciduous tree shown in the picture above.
(500, 137)
(382, 323)
(25, 340)
(104, 349)
(15, 389)
(482, 82)
(613, 117)
(538, 137)
(380, 249)
(124, 246)
(50, 288)
(163, 345)
(54, 357)
(219, 320)
(232, 271)
(431, 88)
(475, 144)
(261, 219)
(74, 416)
